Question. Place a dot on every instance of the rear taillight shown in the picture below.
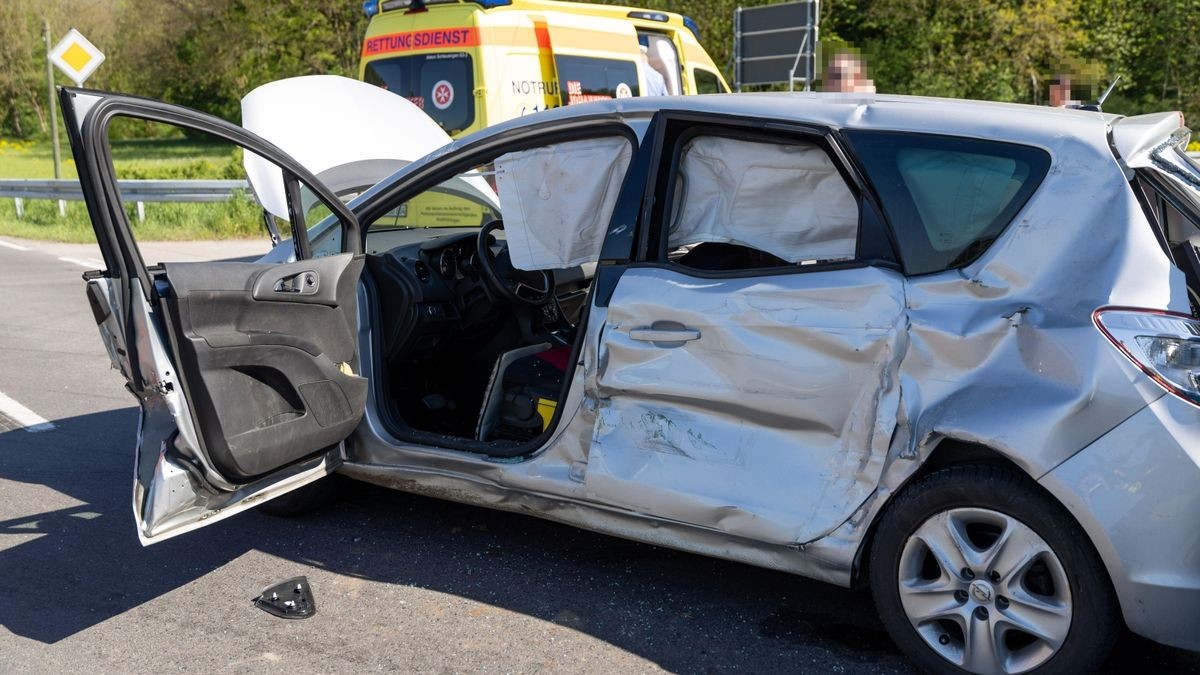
(1165, 345)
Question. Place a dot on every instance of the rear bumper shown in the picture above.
(1136, 491)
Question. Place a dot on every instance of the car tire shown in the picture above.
(306, 499)
(1032, 594)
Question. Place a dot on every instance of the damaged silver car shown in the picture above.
(947, 349)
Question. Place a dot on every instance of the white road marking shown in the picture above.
(30, 420)
(90, 263)
(14, 247)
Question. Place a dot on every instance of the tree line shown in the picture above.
(208, 53)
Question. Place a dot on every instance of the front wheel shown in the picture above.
(977, 569)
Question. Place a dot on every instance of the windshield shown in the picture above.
(440, 84)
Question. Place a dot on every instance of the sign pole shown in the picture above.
(62, 206)
(53, 103)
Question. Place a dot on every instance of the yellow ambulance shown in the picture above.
(473, 63)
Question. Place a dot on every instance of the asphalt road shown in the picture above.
(401, 582)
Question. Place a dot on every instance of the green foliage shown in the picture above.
(997, 50)
(1004, 50)
(238, 45)
(210, 162)
(208, 53)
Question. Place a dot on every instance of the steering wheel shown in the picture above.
(505, 281)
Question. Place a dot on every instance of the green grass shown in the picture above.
(238, 218)
(174, 158)
(22, 159)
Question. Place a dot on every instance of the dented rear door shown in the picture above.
(754, 399)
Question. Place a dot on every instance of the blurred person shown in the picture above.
(1060, 92)
(847, 73)
(656, 84)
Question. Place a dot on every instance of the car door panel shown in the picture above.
(263, 365)
(244, 372)
(100, 293)
(760, 406)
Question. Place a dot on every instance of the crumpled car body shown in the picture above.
(796, 308)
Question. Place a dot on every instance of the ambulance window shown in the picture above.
(707, 82)
(440, 84)
(659, 54)
(584, 79)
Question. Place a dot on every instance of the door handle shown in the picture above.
(665, 332)
(304, 283)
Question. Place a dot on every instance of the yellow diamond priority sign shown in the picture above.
(76, 56)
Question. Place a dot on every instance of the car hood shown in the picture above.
(350, 134)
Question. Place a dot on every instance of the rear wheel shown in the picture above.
(977, 569)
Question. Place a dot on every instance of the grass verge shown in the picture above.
(158, 158)
(238, 218)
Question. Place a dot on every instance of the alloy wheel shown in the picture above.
(984, 591)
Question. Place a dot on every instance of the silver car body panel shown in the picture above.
(1134, 492)
(774, 424)
(1135, 138)
(1001, 353)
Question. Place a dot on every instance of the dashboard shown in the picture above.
(431, 289)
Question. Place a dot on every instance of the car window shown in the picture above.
(441, 84)
(707, 82)
(583, 79)
(556, 202)
(209, 200)
(742, 203)
(558, 199)
(1176, 214)
(947, 198)
(467, 200)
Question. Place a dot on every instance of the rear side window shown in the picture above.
(947, 198)
(744, 203)
(440, 84)
(583, 79)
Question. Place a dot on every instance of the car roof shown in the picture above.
(1013, 122)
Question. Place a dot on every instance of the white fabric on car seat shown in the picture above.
(557, 200)
(787, 200)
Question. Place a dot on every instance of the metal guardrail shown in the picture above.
(136, 191)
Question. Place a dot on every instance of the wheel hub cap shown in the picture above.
(981, 592)
(985, 591)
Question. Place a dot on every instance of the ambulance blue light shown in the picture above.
(692, 26)
(370, 7)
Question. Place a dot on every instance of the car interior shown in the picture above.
(460, 358)
(476, 333)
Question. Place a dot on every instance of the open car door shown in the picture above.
(244, 371)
